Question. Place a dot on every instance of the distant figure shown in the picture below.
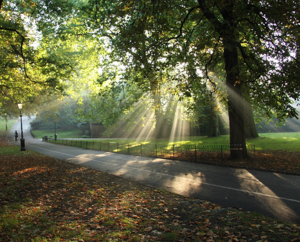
(16, 135)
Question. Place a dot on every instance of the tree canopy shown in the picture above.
(253, 42)
(241, 51)
(34, 61)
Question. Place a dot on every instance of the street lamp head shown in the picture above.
(20, 105)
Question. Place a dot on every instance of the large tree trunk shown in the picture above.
(235, 101)
(159, 117)
(214, 120)
(159, 124)
(250, 128)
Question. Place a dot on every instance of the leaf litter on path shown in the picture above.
(46, 199)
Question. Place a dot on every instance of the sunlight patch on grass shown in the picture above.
(289, 138)
(277, 141)
(265, 141)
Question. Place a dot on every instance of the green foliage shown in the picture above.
(73, 133)
(184, 48)
(37, 57)
(20, 78)
(60, 113)
(250, 45)
(112, 100)
(273, 126)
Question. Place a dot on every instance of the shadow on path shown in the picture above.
(272, 194)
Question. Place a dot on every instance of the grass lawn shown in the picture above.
(277, 141)
(10, 123)
(194, 140)
(45, 199)
(265, 141)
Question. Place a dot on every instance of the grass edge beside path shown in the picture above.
(10, 123)
(289, 141)
(46, 199)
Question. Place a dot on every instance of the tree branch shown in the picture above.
(210, 17)
(186, 44)
(182, 23)
(209, 62)
(21, 49)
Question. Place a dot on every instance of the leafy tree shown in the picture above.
(18, 79)
(252, 44)
(144, 60)
(36, 59)
(61, 112)
(107, 103)
(254, 41)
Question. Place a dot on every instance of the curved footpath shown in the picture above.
(272, 194)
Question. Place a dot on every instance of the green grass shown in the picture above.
(277, 141)
(10, 150)
(15, 151)
(10, 123)
(73, 133)
(265, 141)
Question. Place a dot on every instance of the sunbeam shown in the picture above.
(140, 121)
(180, 126)
(221, 107)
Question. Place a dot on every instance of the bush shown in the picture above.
(35, 124)
(43, 125)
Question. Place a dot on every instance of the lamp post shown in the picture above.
(22, 138)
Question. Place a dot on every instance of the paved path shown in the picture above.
(273, 194)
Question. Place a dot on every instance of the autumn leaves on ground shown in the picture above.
(45, 199)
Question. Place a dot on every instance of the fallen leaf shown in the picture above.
(148, 229)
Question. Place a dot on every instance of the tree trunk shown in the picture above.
(159, 124)
(214, 120)
(298, 48)
(235, 101)
(250, 128)
(159, 117)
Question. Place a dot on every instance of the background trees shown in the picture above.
(60, 115)
(35, 62)
(141, 55)
(252, 44)
(243, 53)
